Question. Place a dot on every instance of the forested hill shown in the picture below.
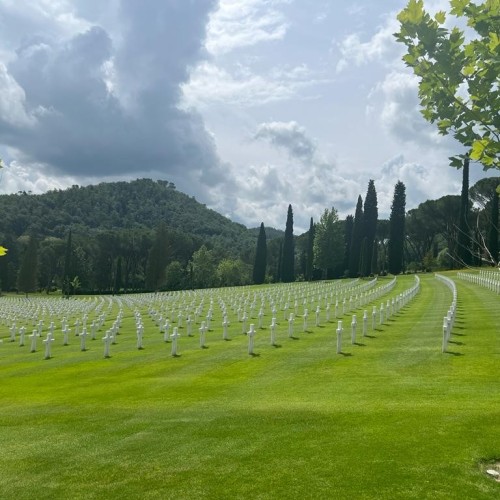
(140, 204)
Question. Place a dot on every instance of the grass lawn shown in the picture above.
(390, 417)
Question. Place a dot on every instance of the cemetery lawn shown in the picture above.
(391, 417)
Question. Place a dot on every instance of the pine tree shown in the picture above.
(260, 264)
(310, 252)
(356, 240)
(370, 227)
(397, 229)
(327, 243)
(288, 261)
(464, 239)
(27, 278)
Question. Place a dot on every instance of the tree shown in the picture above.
(327, 243)
(348, 227)
(203, 268)
(356, 240)
(458, 77)
(464, 237)
(118, 276)
(288, 259)
(158, 259)
(370, 217)
(485, 195)
(68, 272)
(260, 263)
(397, 229)
(28, 272)
(310, 252)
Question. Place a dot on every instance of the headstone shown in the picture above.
(107, 339)
(339, 336)
(251, 334)
(33, 337)
(22, 332)
(139, 333)
(365, 322)
(83, 338)
(175, 335)
(354, 324)
(48, 342)
(225, 324)
(203, 330)
(290, 325)
(273, 331)
(66, 331)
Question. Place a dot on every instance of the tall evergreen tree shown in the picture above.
(397, 229)
(464, 237)
(27, 278)
(260, 264)
(348, 227)
(370, 217)
(356, 240)
(310, 252)
(288, 260)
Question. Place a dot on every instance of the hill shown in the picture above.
(140, 204)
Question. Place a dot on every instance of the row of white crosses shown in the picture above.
(487, 279)
(449, 319)
(171, 308)
(393, 306)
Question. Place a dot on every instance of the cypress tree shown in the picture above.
(348, 227)
(27, 278)
(356, 240)
(288, 260)
(370, 217)
(397, 229)
(463, 251)
(310, 252)
(260, 264)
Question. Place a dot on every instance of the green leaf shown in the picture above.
(440, 17)
(478, 148)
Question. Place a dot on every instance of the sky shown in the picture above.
(247, 105)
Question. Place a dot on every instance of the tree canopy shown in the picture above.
(458, 75)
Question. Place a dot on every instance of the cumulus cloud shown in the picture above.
(381, 45)
(290, 136)
(242, 23)
(89, 99)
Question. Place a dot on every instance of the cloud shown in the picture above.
(380, 46)
(289, 136)
(243, 23)
(90, 100)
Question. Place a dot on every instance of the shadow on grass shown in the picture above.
(359, 344)
(254, 355)
(345, 354)
(227, 340)
(456, 342)
(204, 347)
(452, 353)
(176, 355)
(277, 346)
(370, 336)
(293, 337)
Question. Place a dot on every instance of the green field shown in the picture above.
(389, 417)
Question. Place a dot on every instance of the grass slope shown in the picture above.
(390, 417)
